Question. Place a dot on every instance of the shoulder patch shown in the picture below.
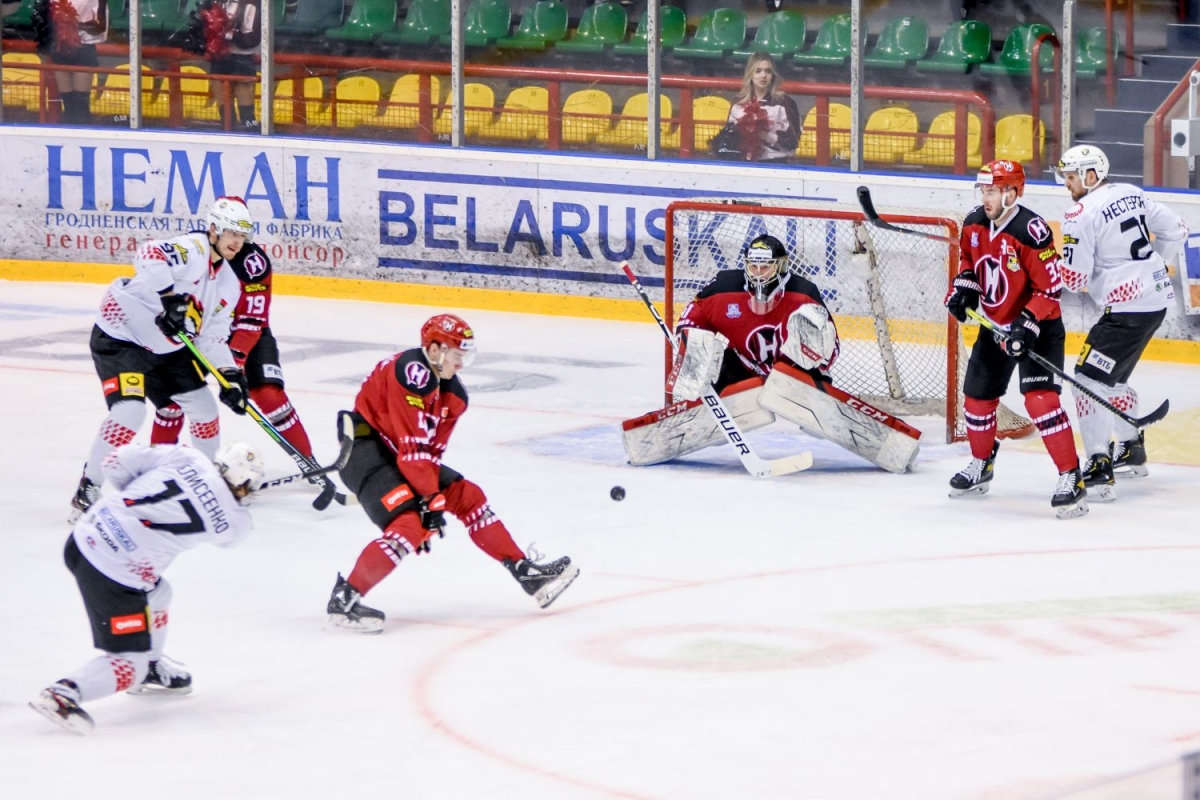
(1038, 229)
(417, 374)
(255, 265)
(1074, 211)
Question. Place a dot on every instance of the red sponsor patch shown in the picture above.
(134, 623)
(111, 385)
(392, 500)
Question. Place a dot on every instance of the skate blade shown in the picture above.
(366, 626)
(153, 689)
(1104, 493)
(550, 592)
(1072, 511)
(79, 724)
(1133, 471)
(974, 491)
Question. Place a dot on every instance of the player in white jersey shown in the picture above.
(181, 285)
(170, 498)
(1107, 252)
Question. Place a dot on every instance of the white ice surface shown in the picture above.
(839, 633)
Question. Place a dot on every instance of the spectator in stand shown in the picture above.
(67, 32)
(764, 123)
(229, 33)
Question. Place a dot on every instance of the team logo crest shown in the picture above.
(974, 238)
(417, 374)
(1038, 229)
(733, 310)
(255, 265)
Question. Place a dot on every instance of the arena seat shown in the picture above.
(839, 132)
(198, 102)
(832, 45)
(902, 42)
(111, 97)
(524, 117)
(23, 16)
(484, 23)
(542, 25)
(357, 99)
(1016, 58)
(585, 115)
(479, 111)
(718, 34)
(966, 43)
(21, 84)
(118, 15)
(709, 115)
(367, 19)
(165, 15)
(402, 109)
(781, 34)
(312, 97)
(425, 22)
(672, 29)
(1014, 138)
(602, 25)
(889, 134)
(1090, 57)
(312, 17)
(631, 128)
(938, 148)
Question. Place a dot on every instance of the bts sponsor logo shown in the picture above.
(393, 499)
(1100, 361)
(133, 623)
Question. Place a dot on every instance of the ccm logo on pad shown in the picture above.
(134, 623)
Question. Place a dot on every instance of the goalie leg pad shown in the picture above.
(826, 411)
(687, 426)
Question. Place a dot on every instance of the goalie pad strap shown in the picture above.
(687, 426)
(824, 410)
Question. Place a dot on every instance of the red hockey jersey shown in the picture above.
(1017, 265)
(723, 307)
(253, 312)
(414, 413)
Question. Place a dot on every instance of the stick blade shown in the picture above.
(1154, 416)
(868, 205)
(785, 466)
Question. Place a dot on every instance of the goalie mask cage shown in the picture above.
(900, 350)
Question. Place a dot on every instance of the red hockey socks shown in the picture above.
(168, 423)
(1054, 426)
(273, 401)
(981, 426)
(467, 501)
(375, 562)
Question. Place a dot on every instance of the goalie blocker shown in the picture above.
(823, 410)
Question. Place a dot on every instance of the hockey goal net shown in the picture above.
(900, 350)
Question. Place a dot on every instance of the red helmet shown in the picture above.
(451, 331)
(1005, 174)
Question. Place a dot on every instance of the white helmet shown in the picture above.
(1079, 159)
(231, 214)
(241, 466)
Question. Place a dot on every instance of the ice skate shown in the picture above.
(544, 582)
(60, 704)
(165, 677)
(1098, 479)
(1070, 496)
(976, 477)
(87, 494)
(346, 610)
(1129, 458)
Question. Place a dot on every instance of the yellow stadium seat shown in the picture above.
(198, 102)
(312, 90)
(1014, 138)
(938, 148)
(112, 97)
(632, 129)
(889, 134)
(357, 99)
(709, 115)
(525, 116)
(586, 114)
(479, 111)
(402, 109)
(22, 85)
(839, 132)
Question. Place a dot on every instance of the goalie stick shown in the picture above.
(756, 466)
(868, 207)
(329, 491)
(343, 457)
(1137, 422)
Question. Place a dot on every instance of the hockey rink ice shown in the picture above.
(841, 633)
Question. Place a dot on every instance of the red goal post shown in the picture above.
(900, 351)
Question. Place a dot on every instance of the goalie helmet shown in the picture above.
(451, 331)
(241, 466)
(1080, 159)
(765, 262)
(231, 214)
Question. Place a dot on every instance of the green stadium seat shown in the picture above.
(1016, 58)
(118, 15)
(165, 15)
(602, 25)
(781, 34)
(966, 43)
(542, 25)
(23, 16)
(672, 29)
(484, 23)
(367, 19)
(426, 22)
(902, 42)
(832, 45)
(310, 17)
(1090, 58)
(720, 32)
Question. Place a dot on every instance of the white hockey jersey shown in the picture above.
(1107, 248)
(183, 263)
(168, 499)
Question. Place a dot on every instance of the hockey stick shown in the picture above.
(756, 466)
(1137, 422)
(342, 458)
(868, 207)
(329, 491)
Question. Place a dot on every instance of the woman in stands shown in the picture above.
(765, 122)
(67, 32)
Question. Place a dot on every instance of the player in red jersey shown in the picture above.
(255, 351)
(1009, 270)
(403, 417)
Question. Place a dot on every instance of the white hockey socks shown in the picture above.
(204, 423)
(109, 674)
(119, 427)
(1098, 425)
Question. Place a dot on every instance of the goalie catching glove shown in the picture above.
(697, 364)
(812, 339)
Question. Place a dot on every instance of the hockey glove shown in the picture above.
(234, 395)
(1021, 336)
(174, 317)
(432, 510)
(964, 293)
